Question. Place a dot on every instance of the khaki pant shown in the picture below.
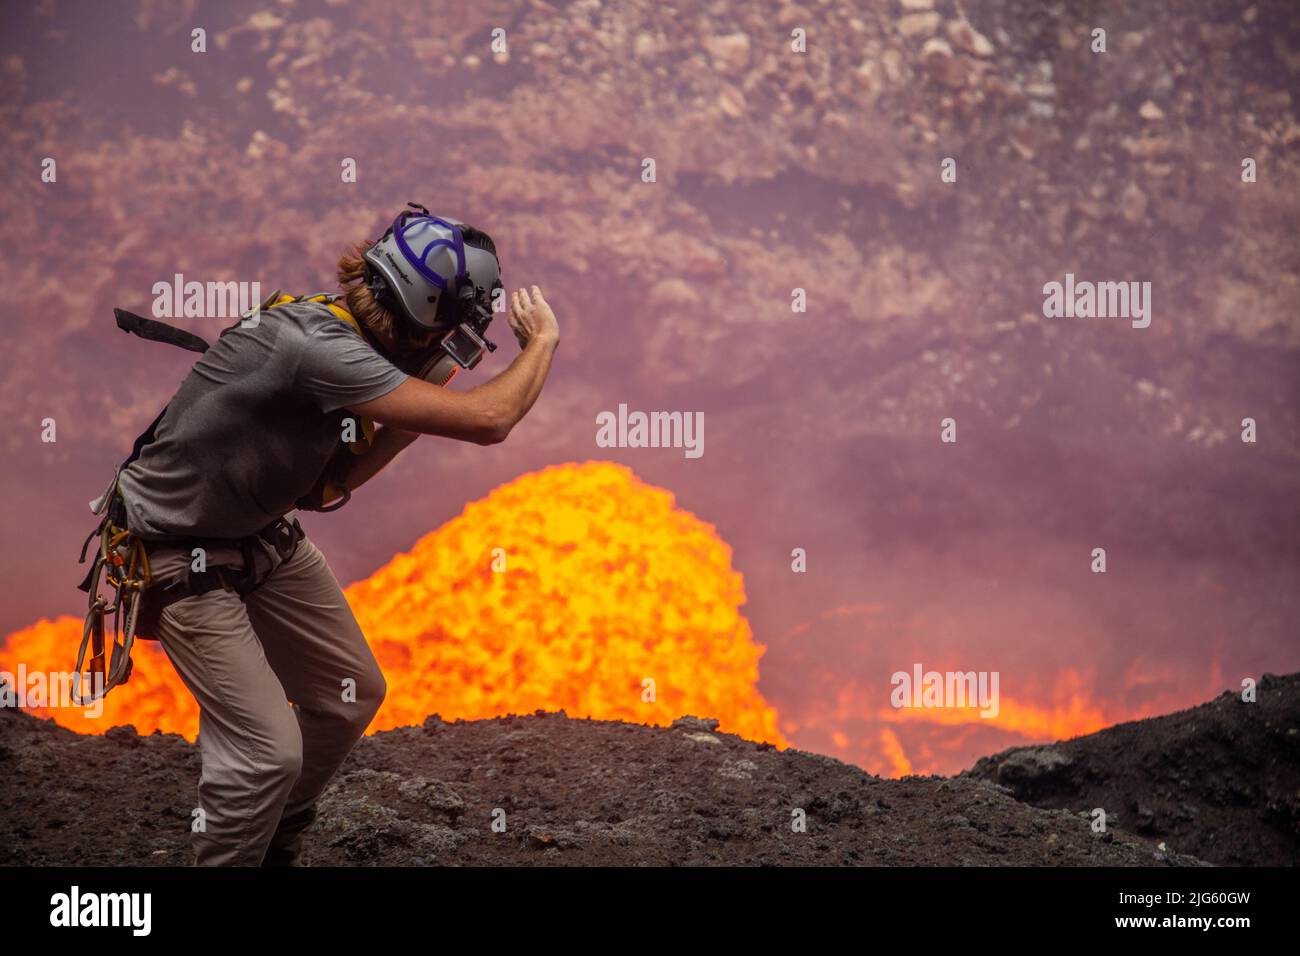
(264, 761)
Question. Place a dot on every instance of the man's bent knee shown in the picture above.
(281, 762)
(357, 701)
(371, 691)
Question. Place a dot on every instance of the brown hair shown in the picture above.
(360, 300)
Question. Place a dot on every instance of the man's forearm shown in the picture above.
(511, 394)
(388, 442)
(483, 415)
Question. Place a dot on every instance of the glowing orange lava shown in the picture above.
(154, 698)
(577, 587)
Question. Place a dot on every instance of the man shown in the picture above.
(274, 416)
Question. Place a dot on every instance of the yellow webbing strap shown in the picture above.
(330, 491)
(367, 436)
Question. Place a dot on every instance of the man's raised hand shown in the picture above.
(531, 318)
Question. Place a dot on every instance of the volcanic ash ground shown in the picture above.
(594, 792)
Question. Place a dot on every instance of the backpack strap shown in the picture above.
(156, 331)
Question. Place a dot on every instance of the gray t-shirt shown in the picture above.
(253, 425)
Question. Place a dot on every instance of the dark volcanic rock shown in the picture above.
(1220, 781)
(570, 792)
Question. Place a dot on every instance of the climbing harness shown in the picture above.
(122, 564)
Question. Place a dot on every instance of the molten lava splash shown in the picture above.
(892, 748)
(154, 699)
(606, 585)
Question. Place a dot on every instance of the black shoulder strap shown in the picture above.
(156, 331)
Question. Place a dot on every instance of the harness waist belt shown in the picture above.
(281, 534)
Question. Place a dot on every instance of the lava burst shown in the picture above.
(578, 587)
(154, 698)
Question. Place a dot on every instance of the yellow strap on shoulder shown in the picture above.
(343, 314)
(367, 436)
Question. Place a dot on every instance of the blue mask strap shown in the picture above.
(456, 242)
